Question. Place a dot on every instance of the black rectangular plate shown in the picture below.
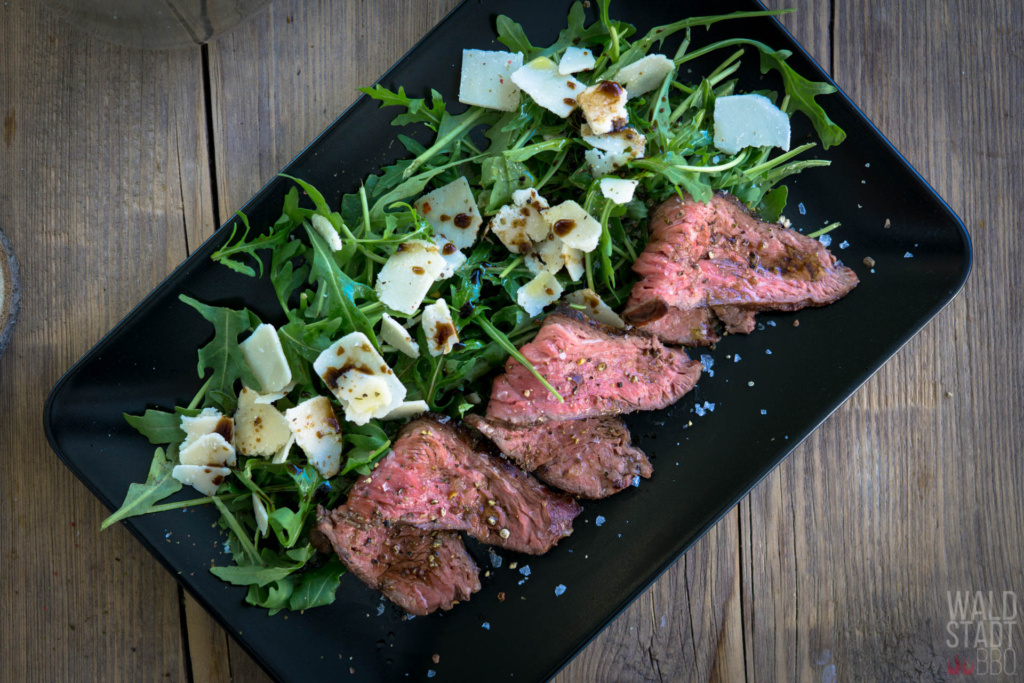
(769, 390)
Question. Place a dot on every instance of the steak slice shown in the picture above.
(418, 570)
(436, 478)
(590, 458)
(597, 369)
(715, 260)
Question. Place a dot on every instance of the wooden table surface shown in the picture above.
(115, 163)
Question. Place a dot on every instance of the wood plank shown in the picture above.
(103, 161)
(907, 493)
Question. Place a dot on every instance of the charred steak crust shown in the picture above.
(419, 570)
(597, 369)
(590, 458)
(435, 478)
(717, 256)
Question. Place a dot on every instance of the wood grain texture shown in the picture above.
(102, 164)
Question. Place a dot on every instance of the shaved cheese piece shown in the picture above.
(326, 229)
(612, 150)
(618, 190)
(604, 107)
(452, 212)
(576, 59)
(392, 332)
(538, 293)
(406, 278)
(519, 224)
(206, 422)
(210, 449)
(487, 79)
(439, 328)
(202, 478)
(273, 398)
(749, 121)
(359, 377)
(547, 255)
(453, 258)
(260, 512)
(540, 80)
(573, 225)
(260, 429)
(595, 307)
(645, 75)
(408, 409)
(318, 433)
(575, 262)
(265, 357)
(284, 451)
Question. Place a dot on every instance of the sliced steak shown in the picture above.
(418, 570)
(437, 478)
(597, 369)
(590, 458)
(716, 260)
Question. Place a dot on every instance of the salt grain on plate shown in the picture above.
(908, 255)
(708, 362)
(768, 351)
(599, 521)
(844, 244)
(699, 410)
(802, 209)
(486, 625)
(771, 323)
(736, 358)
(559, 589)
(825, 240)
(764, 412)
(525, 570)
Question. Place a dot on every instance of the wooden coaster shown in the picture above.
(10, 292)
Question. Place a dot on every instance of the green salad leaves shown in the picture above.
(267, 506)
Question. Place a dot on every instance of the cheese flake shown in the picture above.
(538, 293)
(576, 59)
(555, 92)
(619, 190)
(604, 107)
(210, 449)
(573, 225)
(452, 211)
(318, 433)
(407, 275)
(205, 423)
(357, 375)
(408, 409)
(265, 357)
(202, 478)
(439, 328)
(645, 74)
(486, 79)
(260, 428)
(326, 229)
(595, 307)
(392, 332)
(749, 121)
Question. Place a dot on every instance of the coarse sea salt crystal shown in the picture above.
(699, 410)
(525, 570)
(908, 255)
(764, 412)
(844, 244)
(801, 208)
(768, 351)
(736, 358)
(826, 240)
(708, 406)
(559, 589)
(708, 362)
(486, 625)
(599, 521)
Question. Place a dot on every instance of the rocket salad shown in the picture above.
(436, 270)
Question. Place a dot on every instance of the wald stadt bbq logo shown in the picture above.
(980, 631)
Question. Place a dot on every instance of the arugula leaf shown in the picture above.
(338, 291)
(227, 254)
(511, 34)
(273, 568)
(802, 92)
(159, 484)
(159, 426)
(223, 355)
(273, 596)
(318, 587)
(773, 204)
